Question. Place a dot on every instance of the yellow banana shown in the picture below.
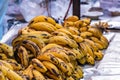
(68, 24)
(51, 67)
(3, 56)
(2, 77)
(83, 48)
(90, 60)
(6, 64)
(43, 26)
(31, 37)
(80, 71)
(99, 46)
(30, 45)
(84, 24)
(78, 53)
(78, 39)
(85, 34)
(10, 74)
(14, 64)
(7, 49)
(56, 33)
(82, 60)
(73, 30)
(42, 19)
(78, 23)
(98, 55)
(92, 44)
(58, 26)
(104, 40)
(83, 29)
(49, 46)
(38, 65)
(70, 78)
(48, 57)
(23, 56)
(38, 75)
(86, 20)
(96, 32)
(76, 75)
(72, 18)
(53, 77)
(28, 72)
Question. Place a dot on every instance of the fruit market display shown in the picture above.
(46, 50)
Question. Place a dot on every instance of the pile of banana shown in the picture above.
(45, 50)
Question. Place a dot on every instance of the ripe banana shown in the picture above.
(7, 49)
(23, 56)
(43, 26)
(83, 29)
(86, 20)
(56, 33)
(98, 55)
(28, 72)
(70, 78)
(58, 26)
(48, 57)
(6, 64)
(51, 67)
(80, 71)
(42, 19)
(104, 40)
(10, 74)
(78, 53)
(73, 30)
(72, 18)
(78, 23)
(37, 75)
(82, 60)
(85, 34)
(49, 46)
(68, 24)
(30, 45)
(3, 56)
(14, 64)
(2, 77)
(38, 65)
(78, 39)
(90, 60)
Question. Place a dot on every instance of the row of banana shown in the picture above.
(47, 50)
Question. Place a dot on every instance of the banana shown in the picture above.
(30, 45)
(68, 24)
(75, 75)
(86, 20)
(104, 40)
(38, 75)
(7, 49)
(3, 56)
(84, 24)
(72, 18)
(49, 46)
(96, 40)
(10, 74)
(70, 78)
(73, 30)
(31, 37)
(78, 53)
(23, 56)
(78, 23)
(2, 77)
(6, 64)
(53, 77)
(83, 29)
(74, 63)
(85, 34)
(98, 55)
(78, 39)
(64, 30)
(73, 44)
(83, 48)
(38, 65)
(14, 64)
(82, 60)
(51, 67)
(70, 54)
(90, 60)
(80, 71)
(42, 19)
(92, 44)
(96, 32)
(28, 72)
(64, 67)
(58, 26)
(48, 57)
(56, 33)
(43, 26)
(89, 50)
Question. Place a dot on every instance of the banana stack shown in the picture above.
(45, 50)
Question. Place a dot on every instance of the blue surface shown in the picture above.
(3, 8)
